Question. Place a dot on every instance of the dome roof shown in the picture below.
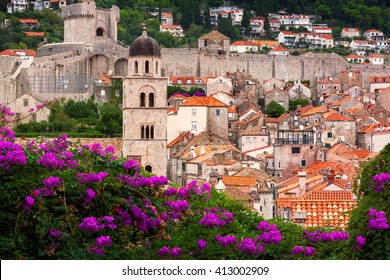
(145, 46)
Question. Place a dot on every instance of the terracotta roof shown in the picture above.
(169, 26)
(315, 110)
(16, 52)
(232, 109)
(284, 202)
(279, 49)
(270, 156)
(28, 20)
(244, 43)
(373, 31)
(239, 193)
(172, 110)
(275, 89)
(339, 102)
(214, 35)
(376, 128)
(380, 79)
(328, 80)
(353, 55)
(177, 139)
(208, 101)
(351, 29)
(325, 208)
(34, 34)
(333, 116)
(239, 181)
(253, 130)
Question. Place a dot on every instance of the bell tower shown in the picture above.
(144, 106)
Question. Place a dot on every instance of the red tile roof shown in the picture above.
(15, 52)
(239, 181)
(244, 43)
(315, 110)
(203, 101)
(333, 116)
(34, 34)
(28, 20)
(177, 139)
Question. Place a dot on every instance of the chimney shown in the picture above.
(302, 182)
(331, 176)
(220, 187)
(324, 173)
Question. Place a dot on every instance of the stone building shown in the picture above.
(215, 42)
(279, 96)
(144, 106)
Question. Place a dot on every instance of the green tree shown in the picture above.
(165, 39)
(300, 101)
(195, 30)
(110, 120)
(274, 109)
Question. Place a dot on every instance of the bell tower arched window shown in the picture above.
(147, 132)
(147, 66)
(152, 132)
(142, 99)
(136, 67)
(148, 168)
(142, 132)
(99, 32)
(151, 99)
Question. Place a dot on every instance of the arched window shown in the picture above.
(136, 67)
(147, 132)
(147, 66)
(99, 32)
(156, 67)
(152, 132)
(151, 99)
(142, 132)
(148, 168)
(142, 99)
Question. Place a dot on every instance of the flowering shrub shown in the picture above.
(66, 201)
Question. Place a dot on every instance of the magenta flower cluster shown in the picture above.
(61, 161)
(55, 233)
(317, 236)
(131, 165)
(378, 220)
(201, 246)
(178, 206)
(11, 154)
(380, 181)
(270, 233)
(360, 241)
(99, 247)
(91, 177)
(144, 222)
(226, 241)
(137, 181)
(93, 224)
(27, 204)
(97, 150)
(171, 191)
(49, 187)
(89, 196)
(174, 252)
(216, 218)
(307, 251)
(250, 246)
(6, 134)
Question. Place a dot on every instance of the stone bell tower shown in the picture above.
(144, 106)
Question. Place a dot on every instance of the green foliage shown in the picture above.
(377, 241)
(166, 39)
(111, 120)
(274, 109)
(294, 103)
(81, 109)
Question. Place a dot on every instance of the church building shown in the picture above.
(144, 106)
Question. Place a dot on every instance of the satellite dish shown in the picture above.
(314, 129)
(295, 117)
(301, 127)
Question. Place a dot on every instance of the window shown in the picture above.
(156, 67)
(147, 66)
(142, 99)
(381, 115)
(99, 32)
(247, 140)
(148, 168)
(25, 102)
(142, 132)
(217, 112)
(206, 43)
(189, 81)
(303, 163)
(254, 139)
(330, 134)
(194, 112)
(193, 125)
(136, 67)
(295, 150)
(151, 99)
(261, 208)
(347, 125)
(152, 132)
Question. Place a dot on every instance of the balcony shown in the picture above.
(290, 141)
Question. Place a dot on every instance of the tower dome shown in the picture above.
(145, 46)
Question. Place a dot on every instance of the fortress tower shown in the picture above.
(83, 22)
(144, 106)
